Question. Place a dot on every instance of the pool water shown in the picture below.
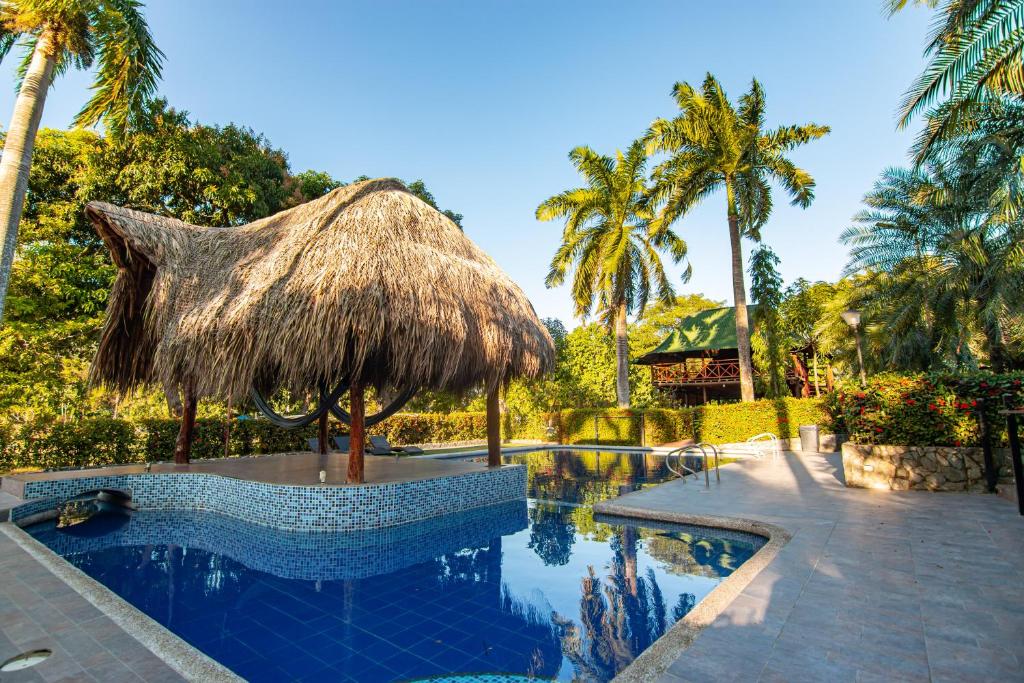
(539, 589)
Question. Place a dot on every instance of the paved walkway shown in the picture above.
(38, 610)
(874, 585)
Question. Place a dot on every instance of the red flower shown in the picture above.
(878, 429)
(931, 406)
(911, 401)
(973, 403)
(983, 385)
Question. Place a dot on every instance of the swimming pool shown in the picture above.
(540, 588)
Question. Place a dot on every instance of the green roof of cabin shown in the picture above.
(713, 329)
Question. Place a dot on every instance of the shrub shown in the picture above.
(934, 409)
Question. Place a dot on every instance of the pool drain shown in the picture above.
(24, 660)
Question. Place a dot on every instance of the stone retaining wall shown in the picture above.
(925, 468)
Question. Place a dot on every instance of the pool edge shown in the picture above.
(656, 659)
(185, 660)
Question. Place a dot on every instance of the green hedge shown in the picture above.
(100, 441)
(935, 409)
(715, 423)
(104, 441)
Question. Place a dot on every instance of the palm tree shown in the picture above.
(975, 51)
(58, 35)
(943, 266)
(609, 242)
(714, 146)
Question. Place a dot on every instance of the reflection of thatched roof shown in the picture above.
(367, 282)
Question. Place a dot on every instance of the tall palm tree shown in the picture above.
(58, 35)
(976, 53)
(943, 264)
(609, 242)
(715, 146)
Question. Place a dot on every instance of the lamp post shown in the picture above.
(852, 318)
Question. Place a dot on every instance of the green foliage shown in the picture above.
(660, 318)
(110, 34)
(974, 53)
(944, 269)
(610, 247)
(45, 444)
(768, 344)
(714, 423)
(935, 409)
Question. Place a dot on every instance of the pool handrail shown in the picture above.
(714, 449)
(678, 453)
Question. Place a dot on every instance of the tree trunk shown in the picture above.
(357, 434)
(621, 357)
(996, 349)
(739, 292)
(183, 446)
(17, 155)
(493, 428)
(817, 390)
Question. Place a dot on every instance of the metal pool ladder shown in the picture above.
(683, 470)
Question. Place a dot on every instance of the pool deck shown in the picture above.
(38, 610)
(301, 468)
(872, 586)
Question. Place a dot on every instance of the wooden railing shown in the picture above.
(699, 371)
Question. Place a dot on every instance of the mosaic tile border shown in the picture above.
(290, 507)
(300, 555)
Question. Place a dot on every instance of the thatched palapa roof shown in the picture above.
(368, 283)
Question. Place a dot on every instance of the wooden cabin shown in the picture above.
(699, 361)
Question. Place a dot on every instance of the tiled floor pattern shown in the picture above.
(38, 610)
(874, 586)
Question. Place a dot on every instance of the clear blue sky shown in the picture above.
(483, 101)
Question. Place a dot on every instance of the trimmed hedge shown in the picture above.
(104, 441)
(715, 423)
(934, 409)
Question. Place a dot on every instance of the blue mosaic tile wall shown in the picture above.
(302, 555)
(297, 508)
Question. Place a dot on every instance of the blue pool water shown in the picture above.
(540, 588)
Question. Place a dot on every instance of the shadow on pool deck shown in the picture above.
(873, 586)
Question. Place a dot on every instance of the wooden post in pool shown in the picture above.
(357, 438)
(183, 446)
(322, 435)
(493, 428)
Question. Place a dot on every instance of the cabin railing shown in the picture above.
(697, 371)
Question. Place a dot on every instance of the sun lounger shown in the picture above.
(381, 443)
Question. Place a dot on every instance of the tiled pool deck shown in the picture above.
(873, 586)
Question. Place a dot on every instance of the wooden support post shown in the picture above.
(493, 429)
(357, 437)
(183, 446)
(322, 432)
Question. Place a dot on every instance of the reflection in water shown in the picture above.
(541, 589)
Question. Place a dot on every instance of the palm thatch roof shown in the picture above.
(367, 283)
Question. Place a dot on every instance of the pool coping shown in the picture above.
(187, 661)
(656, 659)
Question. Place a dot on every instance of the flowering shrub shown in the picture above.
(935, 409)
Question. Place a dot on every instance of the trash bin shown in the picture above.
(809, 438)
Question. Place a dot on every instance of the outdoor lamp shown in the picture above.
(852, 318)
